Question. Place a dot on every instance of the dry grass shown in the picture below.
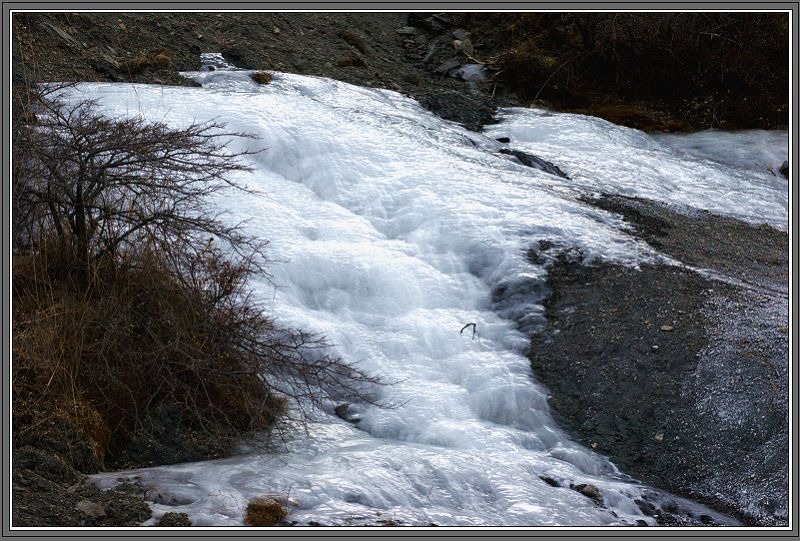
(261, 77)
(101, 361)
(156, 60)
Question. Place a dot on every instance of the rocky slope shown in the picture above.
(679, 373)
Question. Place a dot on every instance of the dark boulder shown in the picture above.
(785, 169)
(534, 161)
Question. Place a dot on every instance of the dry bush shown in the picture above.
(261, 77)
(131, 298)
(265, 511)
(155, 59)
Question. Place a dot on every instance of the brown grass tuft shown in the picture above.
(261, 77)
(139, 63)
(265, 511)
(104, 362)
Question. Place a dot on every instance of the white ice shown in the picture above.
(389, 229)
(723, 172)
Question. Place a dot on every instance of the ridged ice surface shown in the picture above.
(389, 229)
(731, 173)
(755, 150)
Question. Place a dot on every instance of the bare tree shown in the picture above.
(106, 186)
(157, 314)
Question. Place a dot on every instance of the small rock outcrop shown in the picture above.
(174, 520)
(591, 492)
(534, 161)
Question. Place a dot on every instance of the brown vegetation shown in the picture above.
(156, 60)
(261, 77)
(136, 339)
(265, 511)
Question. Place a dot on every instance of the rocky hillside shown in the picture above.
(565, 61)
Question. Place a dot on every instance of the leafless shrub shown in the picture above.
(131, 296)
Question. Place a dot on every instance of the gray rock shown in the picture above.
(460, 33)
(534, 161)
(174, 520)
(448, 65)
(345, 412)
(590, 491)
(90, 508)
(550, 481)
(406, 30)
(434, 23)
(785, 169)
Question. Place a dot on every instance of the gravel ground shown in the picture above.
(680, 377)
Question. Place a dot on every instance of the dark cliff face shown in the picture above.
(680, 379)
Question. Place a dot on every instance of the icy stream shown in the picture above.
(389, 229)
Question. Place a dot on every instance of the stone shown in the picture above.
(448, 65)
(344, 412)
(261, 77)
(90, 508)
(590, 491)
(434, 24)
(406, 30)
(530, 160)
(460, 34)
(667, 328)
(549, 480)
(354, 40)
(785, 169)
(659, 437)
(174, 520)
(503, 139)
